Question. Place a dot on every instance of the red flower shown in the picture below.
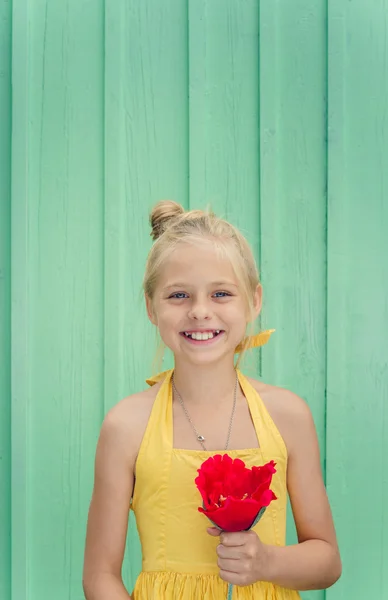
(232, 494)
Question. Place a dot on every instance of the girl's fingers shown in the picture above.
(229, 565)
(213, 531)
(229, 553)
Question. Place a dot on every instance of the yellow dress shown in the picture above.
(179, 556)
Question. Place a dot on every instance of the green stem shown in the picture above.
(230, 591)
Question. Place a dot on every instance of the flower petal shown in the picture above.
(235, 515)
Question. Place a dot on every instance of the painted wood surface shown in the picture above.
(357, 346)
(275, 114)
(5, 299)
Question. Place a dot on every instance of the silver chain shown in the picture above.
(199, 437)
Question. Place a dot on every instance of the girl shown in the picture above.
(202, 291)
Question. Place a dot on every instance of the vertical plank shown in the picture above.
(20, 412)
(57, 289)
(145, 161)
(293, 201)
(5, 299)
(357, 417)
(224, 111)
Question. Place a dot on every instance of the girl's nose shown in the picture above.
(199, 311)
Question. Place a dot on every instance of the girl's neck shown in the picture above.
(205, 384)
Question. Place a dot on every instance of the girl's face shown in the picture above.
(198, 306)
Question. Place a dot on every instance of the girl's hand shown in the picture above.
(242, 557)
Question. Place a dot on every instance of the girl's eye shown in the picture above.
(178, 295)
(225, 294)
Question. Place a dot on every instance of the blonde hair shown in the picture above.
(172, 225)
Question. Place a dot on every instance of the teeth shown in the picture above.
(196, 335)
(202, 336)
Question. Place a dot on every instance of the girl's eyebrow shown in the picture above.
(212, 284)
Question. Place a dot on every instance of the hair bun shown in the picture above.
(162, 213)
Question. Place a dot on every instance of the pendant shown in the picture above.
(200, 438)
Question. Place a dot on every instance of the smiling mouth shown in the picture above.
(202, 335)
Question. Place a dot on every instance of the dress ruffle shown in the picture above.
(153, 585)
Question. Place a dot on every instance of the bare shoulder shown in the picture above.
(290, 413)
(129, 417)
(279, 400)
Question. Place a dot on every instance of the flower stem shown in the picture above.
(230, 591)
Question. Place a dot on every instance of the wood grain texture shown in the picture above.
(293, 202)
(5, 299)
(20, 298)
(357, 381)
(117, 105)
(57, 289)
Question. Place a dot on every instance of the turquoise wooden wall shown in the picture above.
(275, 112)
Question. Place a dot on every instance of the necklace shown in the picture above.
(199, 437)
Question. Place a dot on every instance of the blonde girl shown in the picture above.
(202, 292)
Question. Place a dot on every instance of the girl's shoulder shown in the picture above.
(129, 417)
(290, 413)
(279, 399)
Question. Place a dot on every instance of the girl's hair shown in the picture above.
(172, 225)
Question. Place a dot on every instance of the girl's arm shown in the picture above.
(108, 513)
(315, 562)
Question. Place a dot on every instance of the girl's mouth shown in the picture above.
(202, 338)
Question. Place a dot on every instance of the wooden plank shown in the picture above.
(357, 418)
(146, 160)
(58, 227)
(20, 411)
(224, 111)
(5, 299)
(293, 202)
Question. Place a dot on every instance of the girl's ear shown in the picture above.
(150, 311)
(257, 300)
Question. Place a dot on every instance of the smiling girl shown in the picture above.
(203, 293)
